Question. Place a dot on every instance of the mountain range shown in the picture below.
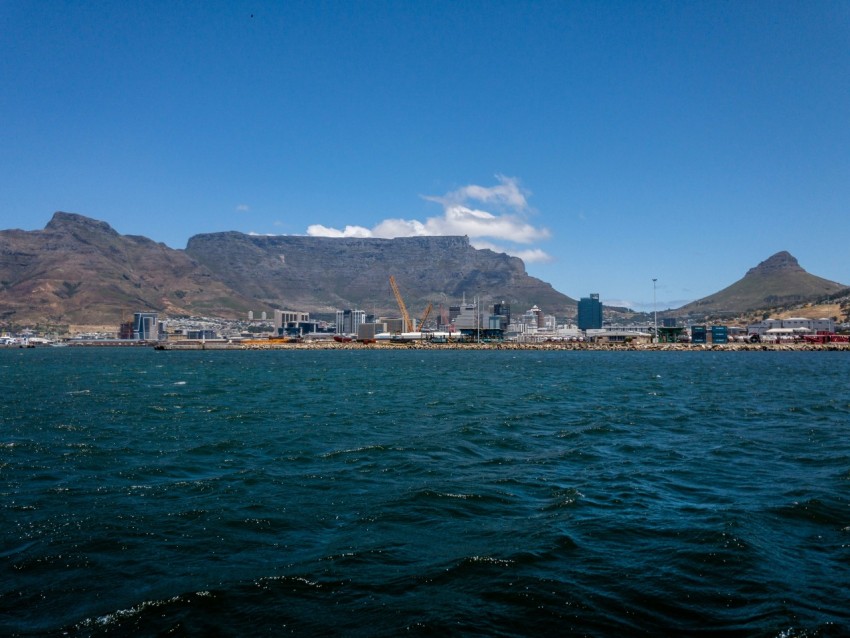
(79, 270)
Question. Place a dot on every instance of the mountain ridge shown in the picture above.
(80, 270)
(777, 281)
(354, 272)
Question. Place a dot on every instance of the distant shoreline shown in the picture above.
(549, 346)
(425, 345)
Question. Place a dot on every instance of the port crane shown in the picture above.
(405, 316)
(425, 315)
(407, 324)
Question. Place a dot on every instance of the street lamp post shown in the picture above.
(478, 318)
(654, 310)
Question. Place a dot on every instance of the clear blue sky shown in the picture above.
(607, 142)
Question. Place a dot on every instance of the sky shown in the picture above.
(607, 144)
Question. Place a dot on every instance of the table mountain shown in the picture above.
(80, 270)
(322, 274)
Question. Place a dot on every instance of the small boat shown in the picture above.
(342, 338)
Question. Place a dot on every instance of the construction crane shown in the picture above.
(407, 324)
(425, 315)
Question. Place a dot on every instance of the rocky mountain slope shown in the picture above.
(776, 282)
(321, 274)
(80, 270)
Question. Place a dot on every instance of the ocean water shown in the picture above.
(378, 493)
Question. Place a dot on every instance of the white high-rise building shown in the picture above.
(348, 321)
(284, 317)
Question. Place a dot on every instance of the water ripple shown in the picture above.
(464, 493)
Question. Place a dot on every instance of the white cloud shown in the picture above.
(531, 255)
(506, 194)
(317, 230)
(463, 215)
(242, 208)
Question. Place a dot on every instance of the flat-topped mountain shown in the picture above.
(80, 270)
(322, 274)
(777, 281)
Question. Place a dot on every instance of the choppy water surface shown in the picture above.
(381, 492)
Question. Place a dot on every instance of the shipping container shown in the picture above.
(719, 334)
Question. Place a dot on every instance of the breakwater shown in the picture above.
(541, 346)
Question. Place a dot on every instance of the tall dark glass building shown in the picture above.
(589, 312)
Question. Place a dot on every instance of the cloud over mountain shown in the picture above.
(501, 228)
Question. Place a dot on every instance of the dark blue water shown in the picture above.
(427, 493)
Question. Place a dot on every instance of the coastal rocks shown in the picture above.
(544, 346)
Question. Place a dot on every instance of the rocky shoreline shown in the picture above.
(546, 346)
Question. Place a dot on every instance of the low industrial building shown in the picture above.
(792, 325)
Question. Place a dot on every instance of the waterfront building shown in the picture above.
(201, 335)
(145, 326)
(799, 325)
(503, 311)
(618, 336)
(301, 328)
(370, 329)
(125, 330)
(284, 317)
(294, 323)
(348, 320)
(392, 324)
(629, 327)
(467, 317)
(671, 333)
(536, 316)
(590, 313)
(516, 328)
(533, 320)
(568, 331)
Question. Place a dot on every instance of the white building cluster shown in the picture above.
(792, 325)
